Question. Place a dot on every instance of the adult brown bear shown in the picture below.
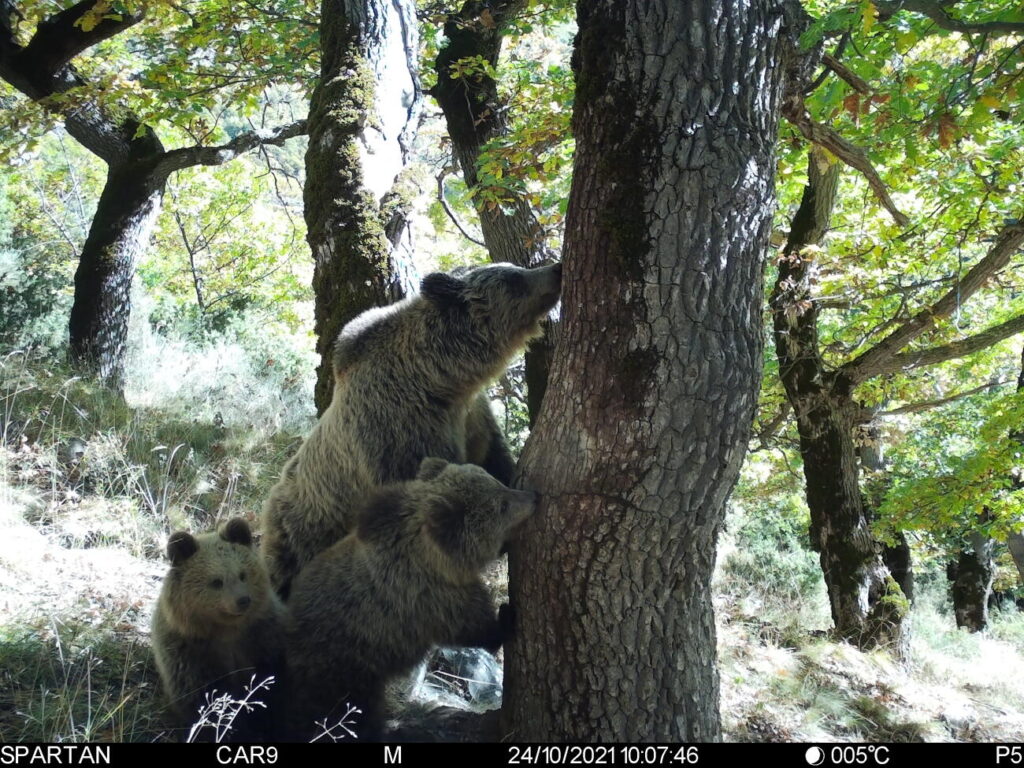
(408, 380)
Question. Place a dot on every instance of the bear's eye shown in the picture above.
(217, 583)
(241, 576)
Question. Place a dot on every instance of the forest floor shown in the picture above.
(75, 661)
(81, 562)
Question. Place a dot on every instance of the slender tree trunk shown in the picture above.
(128, 207)
(972, 584)
(361, 120)
(654, 381)
(474, 115)
(1015, 541)
(867, 604)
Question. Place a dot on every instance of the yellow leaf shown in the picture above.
(990, 101)
(868, 15)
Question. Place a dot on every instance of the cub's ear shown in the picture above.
(446, 524)
(236, 530)
(180, 547)
(443, 289)
(430, 468)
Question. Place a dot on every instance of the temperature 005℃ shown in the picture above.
(865, 754)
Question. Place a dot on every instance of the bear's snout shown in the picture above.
(243, 602)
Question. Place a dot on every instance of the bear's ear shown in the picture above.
(180, 547)
(446, 524)
(443, 289)
(236, 530)
(430, 468)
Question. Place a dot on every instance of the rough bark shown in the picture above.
(654, 381)
(127, 210)
(137, 171)
(867, 605)
(972, 584)
(896, 557)
(362, 117)
(474, 114)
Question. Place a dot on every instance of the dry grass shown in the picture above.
(82, 533)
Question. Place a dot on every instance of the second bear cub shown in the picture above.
(371, 606)
(218, 625)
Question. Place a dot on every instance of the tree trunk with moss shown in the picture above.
(475, 114)
(897, 555)
(362, 119)
(655, 378)
(867, 605)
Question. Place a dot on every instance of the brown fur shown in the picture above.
(408, 379)
(217, 622)
(370, 607)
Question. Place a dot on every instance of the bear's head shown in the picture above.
(217, 580)
(502, 303)
(467, 515)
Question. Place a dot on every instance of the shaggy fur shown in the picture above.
(217, 622)
(408, 379)
(370, 607)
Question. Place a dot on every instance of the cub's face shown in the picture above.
(470, 514)
(504, 303)
(216, 578)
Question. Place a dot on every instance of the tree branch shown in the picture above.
(63, 36)
(451, 214)
(187, 157)
(29, 70)
(938, 14)
(926, 405)
(883, 357)
(795, 111)
(955, 349)
(843, 72)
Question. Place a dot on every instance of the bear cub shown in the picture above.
(370, 607)
(217, 624)
(409, 381)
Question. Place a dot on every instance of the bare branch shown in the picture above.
(451, 214)
(186, 157)
(938, 14)
(926, 405)
(883, 357)
(854, 156)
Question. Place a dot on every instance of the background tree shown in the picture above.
(883, 323)
(495, 164)
(654, 379)
(43, 67)
(363, 117)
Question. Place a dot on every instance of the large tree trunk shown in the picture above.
(654, 380)
(362, 117)
(474, 115)
(972, 584)
(128, 207)
(867, 604)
